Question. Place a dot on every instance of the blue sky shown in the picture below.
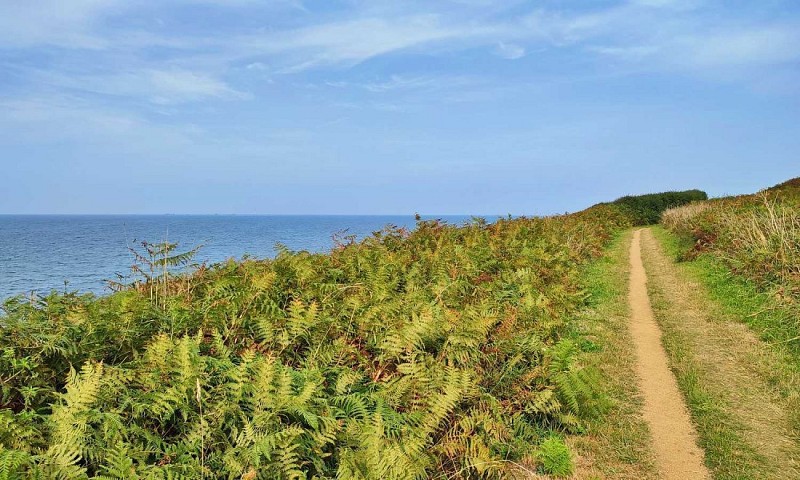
(374, 107)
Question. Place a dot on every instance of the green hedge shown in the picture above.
(647, 209)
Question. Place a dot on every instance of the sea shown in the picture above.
(42, 253)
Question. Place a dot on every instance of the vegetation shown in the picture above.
(556, 457)
(647, 209)
(444, 352)
(745, 251)
(617, 443)
(757, 237)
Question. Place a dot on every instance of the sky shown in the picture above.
(391, 107)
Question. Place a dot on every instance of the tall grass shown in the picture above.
(765, 241)
(680, 218)
(757, 237)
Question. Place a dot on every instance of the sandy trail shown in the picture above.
(674, 437)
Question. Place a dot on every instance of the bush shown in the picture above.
(647, 209)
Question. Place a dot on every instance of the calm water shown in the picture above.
(39, 253)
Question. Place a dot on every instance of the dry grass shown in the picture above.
(756, 237)
(766, 238)
(681, 217)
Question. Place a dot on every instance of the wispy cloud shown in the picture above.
(44, 119)
(138, 52)
(510, 51)
(751, 45)
(408, 83)
(351, 42)
(53, 22)
(159, 86)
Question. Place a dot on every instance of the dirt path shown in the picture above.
(618, 443)
(674, 438)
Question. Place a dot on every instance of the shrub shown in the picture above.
(647, 209)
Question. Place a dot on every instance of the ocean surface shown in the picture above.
(40, 252)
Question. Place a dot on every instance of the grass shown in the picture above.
(721, 437)
(742, 393)
(740, 297)
(745, 250)
(748, 251)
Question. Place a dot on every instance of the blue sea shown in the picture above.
(39, 253)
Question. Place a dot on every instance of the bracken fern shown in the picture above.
(433, 353)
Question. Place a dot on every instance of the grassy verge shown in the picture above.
(743, 301)
(727, 453)
(740, 297)
(730, 379)
(617, 444)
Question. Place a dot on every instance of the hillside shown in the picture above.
(442, 352)
(757, 237)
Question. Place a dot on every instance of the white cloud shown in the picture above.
(256, 66)
(633, 52)
(160, 86)
(56, 118)
(351, 42)
(54, 22)
(169, 86)
(642, 32)
(672, 4)
(398, 82)
(655, 35)
(510, 51)
(753, 46)
(427, 82)
(737, 47)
